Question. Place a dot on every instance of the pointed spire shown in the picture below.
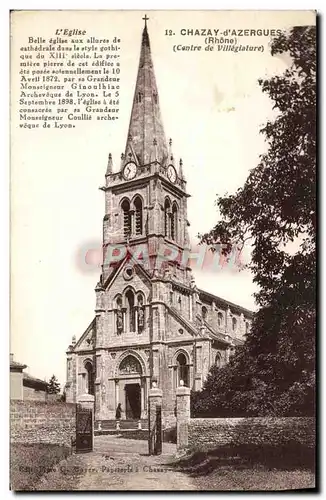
(122, 161)
(109, 168)
(170, 154)
(145, 121)
(154, 153)
(180, 169)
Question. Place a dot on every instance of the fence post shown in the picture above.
(154, 401)
(86, 401)
(183, 415)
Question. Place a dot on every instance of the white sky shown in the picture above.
(57, 209)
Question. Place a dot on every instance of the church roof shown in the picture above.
(146, 140)
(209, 297)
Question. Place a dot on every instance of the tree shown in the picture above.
(53, 385)
(274, 209)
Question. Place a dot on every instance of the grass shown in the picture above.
(263, 468)
(29, 462)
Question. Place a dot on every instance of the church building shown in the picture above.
(152, 323)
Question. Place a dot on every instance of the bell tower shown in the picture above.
(145, 196)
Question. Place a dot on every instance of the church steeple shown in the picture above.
(145, 121)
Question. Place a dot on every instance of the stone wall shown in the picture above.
(206, 433)
(42, 422)
(32, 394)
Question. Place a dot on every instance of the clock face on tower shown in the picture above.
(172, 175)
(130, 171)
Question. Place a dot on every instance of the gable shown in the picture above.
(87, 340)
(178, 326)
(129, 275)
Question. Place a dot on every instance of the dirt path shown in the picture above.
(117, 464)
(123, 464)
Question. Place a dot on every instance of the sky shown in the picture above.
(212, 107)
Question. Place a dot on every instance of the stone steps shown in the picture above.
(114, 425)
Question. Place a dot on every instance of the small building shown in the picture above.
(23, 385)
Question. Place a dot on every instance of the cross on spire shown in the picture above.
(145, 121)
(145, 18)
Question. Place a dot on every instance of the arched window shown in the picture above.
(220, 319)
(218, 360)
(126, 218)
(204, 313)
(138, 215)
(234, 324)
(182, 370)
(167, 213)
(174, 221)
(130, 310)
(89, 377)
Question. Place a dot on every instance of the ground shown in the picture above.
(118, 463)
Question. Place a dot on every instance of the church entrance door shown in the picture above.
(133, 401)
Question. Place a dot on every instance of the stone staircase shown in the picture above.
(117, 426)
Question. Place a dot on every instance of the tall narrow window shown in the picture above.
(204, 313)
(167, 210)
(131, 310)
(220, 319)
(155, 98)
(174, 221)
(139, 97)
(90, 377)
(182, 370)
(234, 324)
(139, 215)
(126, 218)
(218, 362)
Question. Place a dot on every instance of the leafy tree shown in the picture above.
(276, 209)
(53, 385)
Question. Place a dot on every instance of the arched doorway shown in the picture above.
(130, 372)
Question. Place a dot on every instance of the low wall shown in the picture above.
(206, 433)
(31, 394)
(42, 422)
